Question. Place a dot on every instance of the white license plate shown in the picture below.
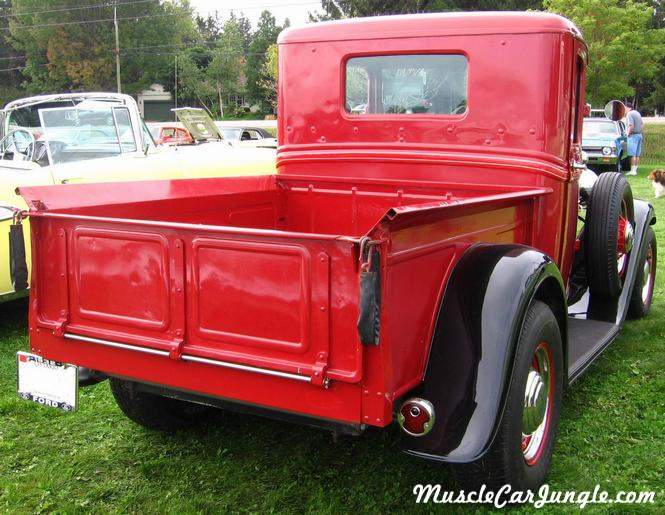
(46, 382)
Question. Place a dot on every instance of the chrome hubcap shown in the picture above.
(535, 402)
(646, 277)
(537, 405)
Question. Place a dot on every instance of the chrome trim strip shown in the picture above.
(187, 357)
(247, 368)
(117, 345)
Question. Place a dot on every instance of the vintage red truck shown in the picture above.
(416, 259)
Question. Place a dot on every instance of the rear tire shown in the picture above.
(155, 411)
(513, 457)
(645, 279)
(611, 198)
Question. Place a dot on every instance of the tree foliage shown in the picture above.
(221, 60)
(337, 9)
(265, 35)
(65, 51)
(624, 48)
(270, 75)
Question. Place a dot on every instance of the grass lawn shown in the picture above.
(611, 433)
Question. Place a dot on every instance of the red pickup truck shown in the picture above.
(416, 259)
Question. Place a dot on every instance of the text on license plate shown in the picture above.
(47, 382)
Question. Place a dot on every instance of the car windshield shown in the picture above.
(75, 134)
(600, 127)
(28, 117)
(231, 133)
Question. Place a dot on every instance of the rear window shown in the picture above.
(407, 84)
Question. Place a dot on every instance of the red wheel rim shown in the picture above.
(625, 236)
(538, 404)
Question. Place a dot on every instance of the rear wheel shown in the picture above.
(609, 235)
(155, 411)
(645, 278)
(521, 452)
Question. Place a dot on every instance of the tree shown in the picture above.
(11, 61)
(73, 49)
(192, 81)
(227, 62)
(265, 35)
(624, 48)
(271, 75)
(209, 27)
(246, 30)
(337, 9)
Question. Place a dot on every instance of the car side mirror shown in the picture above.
(587, 109)
(615, 110)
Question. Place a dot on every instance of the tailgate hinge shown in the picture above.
(59, 328)
(176, 351)
(319, 370)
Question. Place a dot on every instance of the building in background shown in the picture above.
(155, 104)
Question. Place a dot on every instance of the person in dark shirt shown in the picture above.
(635, 125)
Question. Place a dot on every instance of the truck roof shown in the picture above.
(423, 25)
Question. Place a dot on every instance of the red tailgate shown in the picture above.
(194, 295)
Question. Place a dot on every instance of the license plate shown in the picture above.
(46, 382)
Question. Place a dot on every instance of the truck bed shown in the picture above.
(212, 285)
(321, 206)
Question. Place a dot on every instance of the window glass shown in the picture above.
(78, 134)
(406, 84)
(125, 132)
(232, 134)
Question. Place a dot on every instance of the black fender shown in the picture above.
(474, 344)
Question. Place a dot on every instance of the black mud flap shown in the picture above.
(370, 300)
(18, 267)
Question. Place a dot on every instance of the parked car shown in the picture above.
(400, 267)
(93, 137)
(606, 143)
(172, 135)
(248, 136)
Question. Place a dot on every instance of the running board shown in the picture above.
(587, 339)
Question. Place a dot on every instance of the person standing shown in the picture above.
(635, 125)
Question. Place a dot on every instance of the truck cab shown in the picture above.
(415, 260)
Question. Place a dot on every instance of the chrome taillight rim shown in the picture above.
(416, 417)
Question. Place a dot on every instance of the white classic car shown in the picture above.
(95, 137)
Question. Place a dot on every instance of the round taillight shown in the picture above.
(416, 416)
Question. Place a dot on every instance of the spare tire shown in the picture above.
(609, 230)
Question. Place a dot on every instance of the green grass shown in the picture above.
(654, 144)
(611, 433)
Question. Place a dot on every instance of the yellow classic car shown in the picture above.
(95, 137)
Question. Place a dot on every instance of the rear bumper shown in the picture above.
(338, 405)
(253, 409)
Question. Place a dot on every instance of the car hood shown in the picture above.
(599, 141)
